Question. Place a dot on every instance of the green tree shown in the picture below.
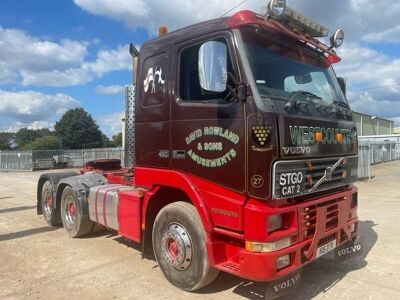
(48, 142)
(26, 136)
(117, 140)
(6, 139)
(77, 129)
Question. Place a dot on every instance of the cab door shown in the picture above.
(207, 123)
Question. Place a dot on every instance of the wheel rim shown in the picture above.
(70, 210)
(176, 247)
(48, 203)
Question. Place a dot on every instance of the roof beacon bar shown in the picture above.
(278, 10)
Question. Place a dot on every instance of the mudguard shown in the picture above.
(81, 184)
(54, 179)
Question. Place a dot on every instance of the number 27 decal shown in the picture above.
(257, 181)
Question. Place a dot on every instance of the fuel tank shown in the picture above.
(103, 203)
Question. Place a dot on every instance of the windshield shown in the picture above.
(284, 68)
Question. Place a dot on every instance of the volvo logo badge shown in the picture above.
(327, 176)
(328, 173)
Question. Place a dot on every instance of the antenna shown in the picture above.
(236, 6)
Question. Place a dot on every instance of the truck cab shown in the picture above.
(241, 151)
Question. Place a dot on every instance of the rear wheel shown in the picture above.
(179, 243)
(50, 213)
(74, 214)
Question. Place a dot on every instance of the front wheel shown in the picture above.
(179, 243)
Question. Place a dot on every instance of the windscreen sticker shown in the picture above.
(223, 158)
(303, 137)
(309, 135)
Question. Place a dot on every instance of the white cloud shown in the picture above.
(34, 126)
(363, 65)
(389, 35)
(30, 106)
(107, 61)
(365, 68)
(31, 61)
(359, 18)
(152, 14)
(110, 124)
(365, 102)
(110, 90)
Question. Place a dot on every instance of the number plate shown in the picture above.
(326, 248)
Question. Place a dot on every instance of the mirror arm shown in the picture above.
(233, 77)
(241, 87)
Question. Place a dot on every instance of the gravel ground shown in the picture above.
(40, 262)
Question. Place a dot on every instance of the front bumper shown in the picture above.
(331, 217)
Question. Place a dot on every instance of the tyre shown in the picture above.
(50, 213)
(97, 228)
(179, 244)
(74, 214)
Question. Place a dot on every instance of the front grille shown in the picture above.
(335, 171)
(331, 221)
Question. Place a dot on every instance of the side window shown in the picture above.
(191, 82)
(154, 80)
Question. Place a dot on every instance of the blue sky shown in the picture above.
(56, 55)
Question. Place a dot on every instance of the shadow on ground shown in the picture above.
(318, 277)
(18, 208)
(24, 233)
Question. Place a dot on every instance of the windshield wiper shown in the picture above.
(293, 99)
(335, 104)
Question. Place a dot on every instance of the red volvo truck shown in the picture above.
(240, 153)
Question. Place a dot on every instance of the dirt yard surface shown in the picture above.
(40, 262)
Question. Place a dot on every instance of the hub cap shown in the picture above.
(70, 210)
(48, 203)
(176, 247)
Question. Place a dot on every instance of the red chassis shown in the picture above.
(232, 220)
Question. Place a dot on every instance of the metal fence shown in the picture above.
(369, 153)
(44, 159)
(375, 152)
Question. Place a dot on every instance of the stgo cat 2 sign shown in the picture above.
(283, 286)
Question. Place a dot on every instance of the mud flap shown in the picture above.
(284, 285)
(348, 250)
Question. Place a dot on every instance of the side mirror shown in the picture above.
(342, 83)
(212, 64)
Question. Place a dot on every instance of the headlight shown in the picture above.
(337, 38)
(267, 247)
(276, 7)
